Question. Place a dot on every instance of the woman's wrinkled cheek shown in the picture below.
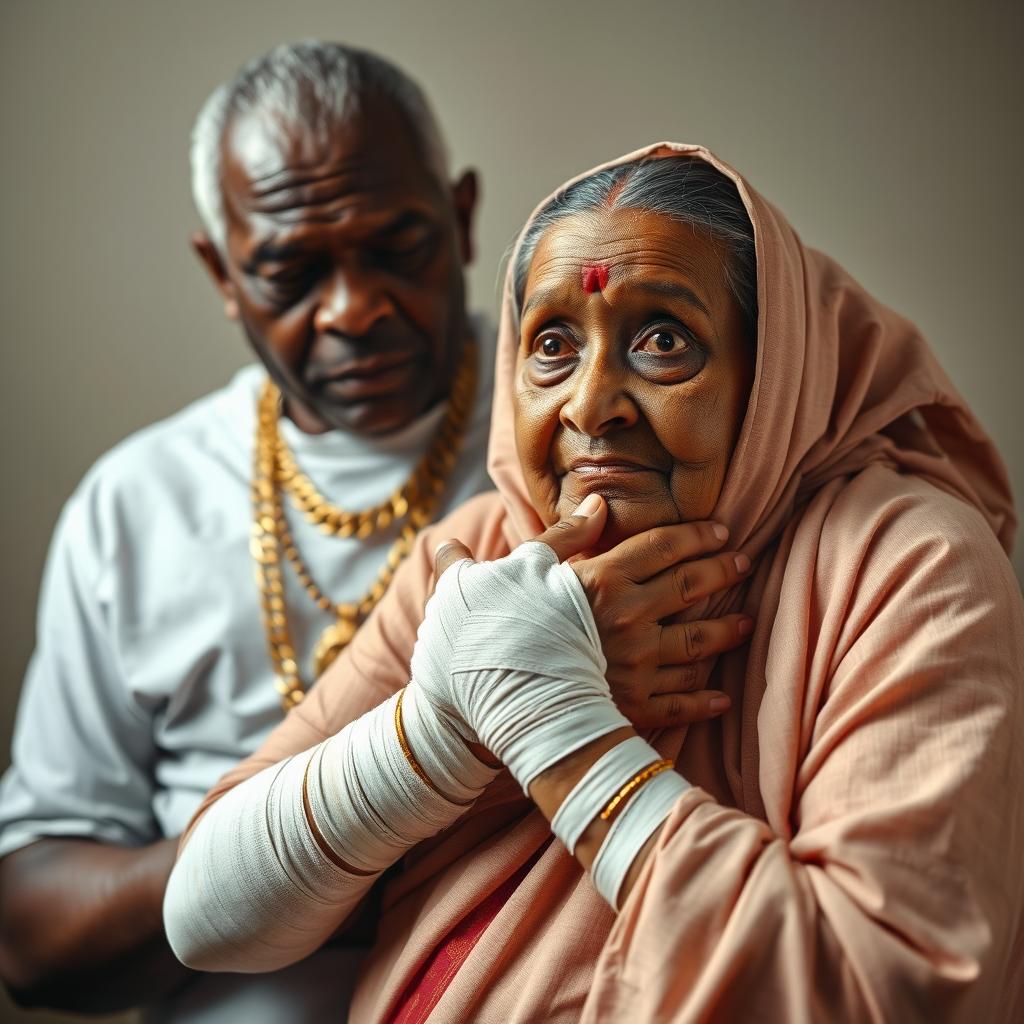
(698, 433)
(536, 421)
(695, 489)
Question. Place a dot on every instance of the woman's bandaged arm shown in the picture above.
(507, 655)
(254, 888)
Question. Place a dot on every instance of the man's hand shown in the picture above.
(656, 670)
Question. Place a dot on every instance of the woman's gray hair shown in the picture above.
(688, 190)
(318, 84)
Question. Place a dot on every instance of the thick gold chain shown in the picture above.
(412, 506)
(425, 485)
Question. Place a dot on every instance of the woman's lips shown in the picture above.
(610, 479)
(609, 467)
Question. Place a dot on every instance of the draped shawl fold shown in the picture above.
(852, 846)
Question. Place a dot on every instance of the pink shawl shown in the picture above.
(852, 846)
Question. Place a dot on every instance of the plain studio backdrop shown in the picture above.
(889, 134)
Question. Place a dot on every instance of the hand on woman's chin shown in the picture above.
(626, 518)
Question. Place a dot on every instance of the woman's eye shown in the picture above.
(664, 342)
(551, 346)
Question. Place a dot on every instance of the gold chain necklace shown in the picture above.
(412, 507)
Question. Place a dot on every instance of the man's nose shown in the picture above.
(600, 401)
(352, 302)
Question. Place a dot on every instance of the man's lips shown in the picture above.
(372, 378)
(367, 367)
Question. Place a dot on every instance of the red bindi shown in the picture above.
(594, 277)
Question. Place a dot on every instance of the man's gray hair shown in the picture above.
(321, 85)
(685, 189)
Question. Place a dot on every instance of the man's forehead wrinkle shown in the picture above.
(327, 196)
(279, 234)
(329, 193)
(296, 175)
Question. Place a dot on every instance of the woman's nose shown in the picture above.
(599, 402)
(351, 304)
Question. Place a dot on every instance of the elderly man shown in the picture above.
(337, 243)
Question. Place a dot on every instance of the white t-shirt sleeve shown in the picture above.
(83, 750)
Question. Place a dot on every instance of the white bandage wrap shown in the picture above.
(253, 891)
(441, 750)
(509, 653)
(642, 816)
(603, 780)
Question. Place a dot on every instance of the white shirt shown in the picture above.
(151, 676)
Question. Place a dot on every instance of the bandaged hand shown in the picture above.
(509, 655)
(625, 597)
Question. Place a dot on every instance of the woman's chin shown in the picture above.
(627, 518)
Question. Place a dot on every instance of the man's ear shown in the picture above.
(465, 193)
(210, 258)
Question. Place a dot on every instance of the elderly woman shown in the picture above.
(844, 842)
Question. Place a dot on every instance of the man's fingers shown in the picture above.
(683, 585)
(579, 531)
(645, 555)
(693, 641)
(669, 710)
(448, 553)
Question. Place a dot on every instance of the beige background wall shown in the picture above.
(889, 133)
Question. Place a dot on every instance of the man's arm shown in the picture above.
(81, 926)
(83, 871)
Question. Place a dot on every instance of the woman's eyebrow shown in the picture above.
(674, 291)
(538, 298)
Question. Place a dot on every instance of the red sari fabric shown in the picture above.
(426, 988)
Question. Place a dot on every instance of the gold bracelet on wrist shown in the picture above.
(634, 783)
(404, 744)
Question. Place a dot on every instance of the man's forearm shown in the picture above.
(81, 925)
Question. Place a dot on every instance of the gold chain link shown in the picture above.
(412, 507)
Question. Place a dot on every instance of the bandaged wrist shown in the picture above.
(604, 778)
(509, 653)
(441, 750)
(642, 816)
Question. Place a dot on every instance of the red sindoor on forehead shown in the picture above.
(594, 277)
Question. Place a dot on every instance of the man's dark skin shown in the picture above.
(343, 265)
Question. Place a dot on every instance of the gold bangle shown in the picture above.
(314, 829)
(634, 783)
(404, 744)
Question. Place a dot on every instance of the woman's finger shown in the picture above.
(579, 531)
(693, 641)
(683, 585)
(647, 554)
(668, 710)
(447, 554)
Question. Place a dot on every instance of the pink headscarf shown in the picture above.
(838, 381)
(842, 821)
(841, 383)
